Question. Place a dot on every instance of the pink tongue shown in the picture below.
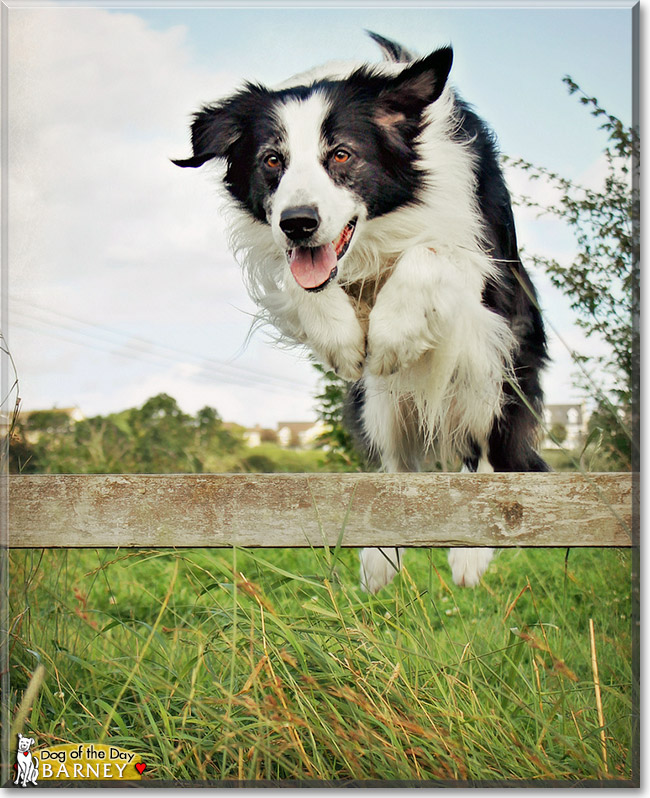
(312, 266)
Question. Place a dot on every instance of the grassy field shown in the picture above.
(274, 665)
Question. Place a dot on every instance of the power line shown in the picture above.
(207, 374)
(153, 344)
(135, 345)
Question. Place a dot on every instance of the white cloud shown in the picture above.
(99, 103)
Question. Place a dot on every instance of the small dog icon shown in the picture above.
(27, 770)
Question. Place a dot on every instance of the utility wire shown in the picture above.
(134, 339)
(138, 347)
(207, 373)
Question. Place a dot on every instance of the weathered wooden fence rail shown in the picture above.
(297, 510)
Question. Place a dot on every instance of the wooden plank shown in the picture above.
(299, 510)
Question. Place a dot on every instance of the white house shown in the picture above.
(301, 434)
(574, 418)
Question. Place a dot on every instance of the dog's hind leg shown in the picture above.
(378, 567)
(511, 448)
(391, 430)
(469, 565)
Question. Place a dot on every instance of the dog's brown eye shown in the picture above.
(272, 161)
(341, 156)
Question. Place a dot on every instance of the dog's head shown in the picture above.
(317, 161)
(24, 743)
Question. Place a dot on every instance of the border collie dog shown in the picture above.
(374, 226)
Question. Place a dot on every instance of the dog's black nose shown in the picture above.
(299, 222)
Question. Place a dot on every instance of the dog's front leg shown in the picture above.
(412, 310)
(331, 329)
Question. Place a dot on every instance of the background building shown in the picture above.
(568, 424)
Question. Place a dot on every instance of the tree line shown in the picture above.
(157, 438)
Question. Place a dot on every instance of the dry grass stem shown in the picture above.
(599, 703)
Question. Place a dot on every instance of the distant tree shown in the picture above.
(103, 445)
(163, 436)
(213, 436)
(602, 279)
(43, 442)
(608, 440)
(48, 421)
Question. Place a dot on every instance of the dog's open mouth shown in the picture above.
(314, 267)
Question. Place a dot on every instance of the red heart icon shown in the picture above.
(140, 767)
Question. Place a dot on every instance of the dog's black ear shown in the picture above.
(416, 86)
(215, 128)
(214, 131)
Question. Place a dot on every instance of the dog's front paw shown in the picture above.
(469, 565)
(378, 568)
(333, 332)
(397, 339)
(346, 358)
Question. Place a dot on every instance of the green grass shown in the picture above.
(274, 665)
(269, 457)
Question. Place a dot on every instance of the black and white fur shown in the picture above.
(428, 311)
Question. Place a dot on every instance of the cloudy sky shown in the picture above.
(121, 285)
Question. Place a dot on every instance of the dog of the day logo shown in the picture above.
(26, 763)
(75, 762)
